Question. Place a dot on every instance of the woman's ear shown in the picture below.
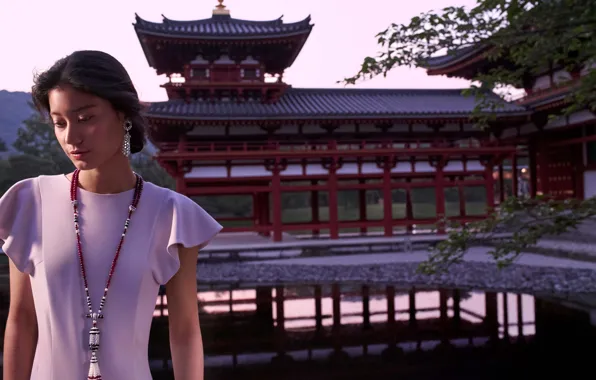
(121, 117)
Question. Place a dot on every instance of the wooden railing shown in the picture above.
(318, 145)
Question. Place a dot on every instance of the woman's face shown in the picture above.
(87, 127)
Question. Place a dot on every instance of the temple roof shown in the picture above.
(306, 103)
(445, 60)
(222, 27)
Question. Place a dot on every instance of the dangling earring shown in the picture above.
(126, 143)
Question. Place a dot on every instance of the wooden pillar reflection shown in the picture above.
(456, 309)
(444, 316)
(391, 325)
(366, 307)
(336, 329)
(505, 317)
(318, 310)
(491, 319)
(412, 308)
(520, 319)
(280, 328)
(264, 312)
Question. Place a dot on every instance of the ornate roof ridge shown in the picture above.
(223, 19)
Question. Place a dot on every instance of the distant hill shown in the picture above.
(14, 108)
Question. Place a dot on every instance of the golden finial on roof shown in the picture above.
(220, 9)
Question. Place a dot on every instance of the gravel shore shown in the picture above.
(467, 275)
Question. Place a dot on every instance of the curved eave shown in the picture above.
(302, 27)
(429, 116)
(456, 63)
(230, 37)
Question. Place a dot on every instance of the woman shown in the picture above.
(88, 250)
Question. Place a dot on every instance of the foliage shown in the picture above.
(36, 139)
(144, 164)
(3, 147)
(521, 39)
(37, 152)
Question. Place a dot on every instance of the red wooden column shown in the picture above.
(180, 183)
(276, 166)
(409, 210)
(533, 169)
(515, 185)
(541, 168)
(501, 183)
(256, 210)
(488, 163)
(439, 162)
(461, 194)
(332, 164)
(387, 163)
(314, 204)
(362, 206)
(264, 211)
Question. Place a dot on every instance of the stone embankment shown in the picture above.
(466, 275)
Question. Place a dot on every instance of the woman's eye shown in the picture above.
(85, 118)
(59, 124)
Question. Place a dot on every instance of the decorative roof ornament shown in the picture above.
(220, 9)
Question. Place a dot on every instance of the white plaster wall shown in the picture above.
(317, 169)
(589, 183)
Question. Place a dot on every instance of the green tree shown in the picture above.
(522, 38)
(146, 166)
(36, 138)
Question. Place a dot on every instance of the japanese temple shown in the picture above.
(561, 148)
(233, 126)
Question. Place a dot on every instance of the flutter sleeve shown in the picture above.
(181, 222)
(20, 224)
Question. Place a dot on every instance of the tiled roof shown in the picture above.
(441, 61)
(222, 26)
(303, 103)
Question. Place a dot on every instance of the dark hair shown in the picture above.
(99, 74)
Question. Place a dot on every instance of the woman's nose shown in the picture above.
(72, 137)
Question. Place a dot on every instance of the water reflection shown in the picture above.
(314, 322)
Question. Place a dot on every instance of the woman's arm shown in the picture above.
(20, 337)
(186, 342)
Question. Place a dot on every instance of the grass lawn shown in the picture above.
(373, 212)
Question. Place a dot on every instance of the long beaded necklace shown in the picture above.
(94, 372)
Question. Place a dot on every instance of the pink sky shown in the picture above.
(34, 33)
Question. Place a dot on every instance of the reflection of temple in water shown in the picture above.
(261, 325)
(263, 328)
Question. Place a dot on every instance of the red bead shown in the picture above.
(73, 197)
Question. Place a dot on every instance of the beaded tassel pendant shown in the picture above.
(94, 334)
(94, 372)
